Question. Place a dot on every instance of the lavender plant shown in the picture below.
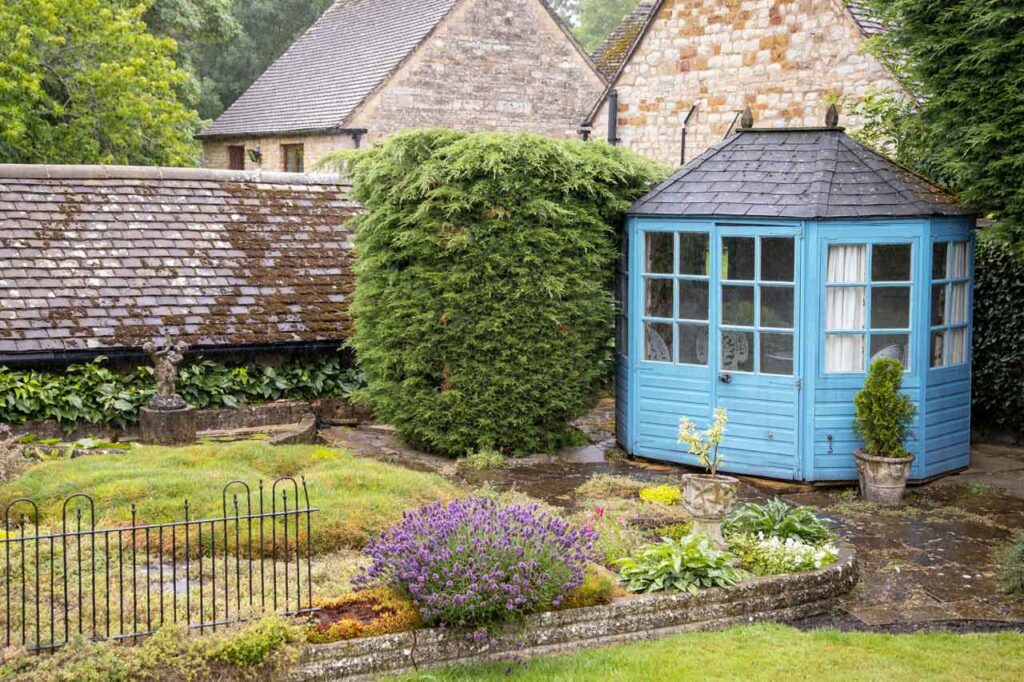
(476, 563)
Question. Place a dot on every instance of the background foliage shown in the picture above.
(483, 305)
(94, 394)
(998, 388)
(84, 82)
(598, 18)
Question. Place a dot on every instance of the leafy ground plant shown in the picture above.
(662, 494)
(688, 564)
(777, 519)
(770, 555)
(476, 563)
(1010, 561)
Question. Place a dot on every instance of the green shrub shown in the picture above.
(616, 537)
(94, 394)
(662, 494)
(777, 519)
(688, 564)
(483, 299)
(882, 415)
(674, 531)
(996, 390)
(772, 555)
(1010, 562)
(485, 459)
(600, 586)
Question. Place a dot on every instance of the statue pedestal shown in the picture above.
(167, 427)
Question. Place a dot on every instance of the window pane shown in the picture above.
(738, 258)
(845, 308)
(844, 353)
(939, 260)
(895, 346)
(777, 259)
(693, 300)
(890, 308)
(693, 254)
(738, 305)
(847, 263)
(737, 351)
(939, 304)
(657, 342)
(658, 253)
(958, 268)
(693, 344)
(938, 344)
(777, 307)
(658, 297)
(957, 346)
(890, 263)
(958, 312)
(777, 354)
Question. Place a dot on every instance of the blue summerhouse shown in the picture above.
(765, 276)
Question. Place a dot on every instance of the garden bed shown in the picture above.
(776, 598)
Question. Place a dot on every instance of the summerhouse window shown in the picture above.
(950, 311)
(676, 290)
(867, 305)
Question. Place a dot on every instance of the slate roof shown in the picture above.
(328, 72)
(619, 47)
(614, 51)
(95, 258)
(801, 173)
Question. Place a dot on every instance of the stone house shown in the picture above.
(369, 68)
(682, 71)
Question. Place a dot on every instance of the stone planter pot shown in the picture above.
(709, 499)
(882, 479)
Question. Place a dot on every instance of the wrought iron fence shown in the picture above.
(124, 583)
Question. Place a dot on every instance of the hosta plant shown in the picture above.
(771, 555)
(688, 564)
(476, 563)
(777, 519)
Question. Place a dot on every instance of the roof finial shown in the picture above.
(832, 116)
(747, 120)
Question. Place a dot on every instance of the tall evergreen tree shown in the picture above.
(598, 18)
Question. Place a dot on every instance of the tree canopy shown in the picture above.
(598, 18)
(962, 64)
(84, 82)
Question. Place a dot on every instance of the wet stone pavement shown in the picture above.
(926, 564)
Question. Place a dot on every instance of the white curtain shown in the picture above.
(958, 310)
(957, 346)
(845, 308)
(960, 252)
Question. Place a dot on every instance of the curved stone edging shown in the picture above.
(776, 598)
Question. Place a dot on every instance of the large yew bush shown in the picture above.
(483, 304)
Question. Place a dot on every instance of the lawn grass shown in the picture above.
(773, 652)
(357, 498)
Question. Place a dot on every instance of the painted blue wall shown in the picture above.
(798, 416)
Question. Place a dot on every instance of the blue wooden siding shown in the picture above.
(622, 389)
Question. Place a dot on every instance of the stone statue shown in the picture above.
(165, 362)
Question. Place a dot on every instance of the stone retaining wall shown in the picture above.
(779, 598)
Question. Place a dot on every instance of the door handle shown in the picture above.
(725, 378)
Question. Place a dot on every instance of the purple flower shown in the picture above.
(474, 562)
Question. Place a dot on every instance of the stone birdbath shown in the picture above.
(167, 419)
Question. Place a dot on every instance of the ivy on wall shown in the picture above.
(483, 300)
(94, 394)
(998, 384)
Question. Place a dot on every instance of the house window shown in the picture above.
(867, 305)
(950, 312)
(236, 157)
(293, 158)
(676, 290)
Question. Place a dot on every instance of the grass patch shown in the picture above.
(357, 498)
(774, 652)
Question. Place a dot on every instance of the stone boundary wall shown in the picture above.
(277, 413)
(777, 598)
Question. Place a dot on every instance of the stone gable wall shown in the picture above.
(786, 59)
(491, 65)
